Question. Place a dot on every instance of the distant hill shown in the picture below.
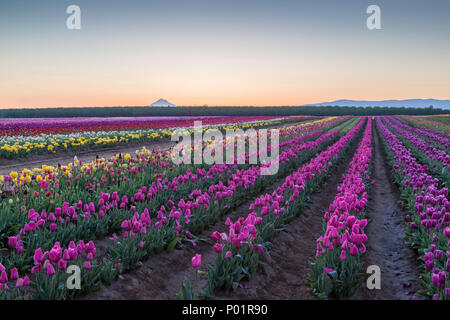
(162, 103)
(409, 103)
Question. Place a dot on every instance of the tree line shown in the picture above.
(213, 111)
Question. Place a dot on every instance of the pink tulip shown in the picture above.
(126, 225)
(55, 254)
(197, 261)
(14, 274)
(447, 232)
(19, 283)
(38, 256)
(3, 277)
(353, 250)
(328, 270)
(218, 247)
(12, 242)
(216, 235)
(50, 269)
(62, 264)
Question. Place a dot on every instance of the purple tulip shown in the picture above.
(447, 232)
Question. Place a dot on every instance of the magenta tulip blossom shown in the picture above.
(197, 261)
(3, 277)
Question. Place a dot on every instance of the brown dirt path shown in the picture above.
(386, 246)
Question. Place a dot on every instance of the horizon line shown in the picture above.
(215, 106)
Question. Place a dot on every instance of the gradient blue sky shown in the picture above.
(221, 52)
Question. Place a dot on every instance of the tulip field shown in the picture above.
(24, 137)
(139, 226)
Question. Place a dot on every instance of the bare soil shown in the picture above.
(386, 246)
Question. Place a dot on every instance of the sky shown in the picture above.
(221, 52)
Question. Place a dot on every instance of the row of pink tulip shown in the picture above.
(440, 139)
(428, 221)
(419, 121)
(336, 269)
(432, 152)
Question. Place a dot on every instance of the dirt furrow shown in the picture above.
(386, 246)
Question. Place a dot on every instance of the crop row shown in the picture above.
(337, 269)
(437, 138)
(437, 161)
(433, 127)
(428, 221)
